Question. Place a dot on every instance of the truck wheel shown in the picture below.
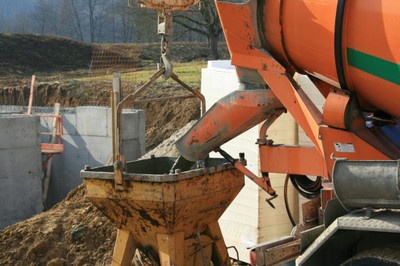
(379, 256)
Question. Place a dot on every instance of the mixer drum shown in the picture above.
(349, 44)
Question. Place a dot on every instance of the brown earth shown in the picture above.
(71, 233)
(74, 232)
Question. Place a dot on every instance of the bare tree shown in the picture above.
(45, 15)
(92, 18)
(77, 19)
(20, 23)
(3, 22)
(66, 23)
(111, 21)
(205, 22)
(53, 16)
(127, 23)
(39, 15)
(145, 25)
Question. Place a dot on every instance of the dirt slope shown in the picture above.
(29, 53)
(71, 233)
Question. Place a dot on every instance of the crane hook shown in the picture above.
(164, 58)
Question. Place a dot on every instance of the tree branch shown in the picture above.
(197, 22)
(199, 31)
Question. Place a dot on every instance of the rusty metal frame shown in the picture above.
(119, 161)
(301, 160)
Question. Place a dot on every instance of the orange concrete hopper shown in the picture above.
(172, 218)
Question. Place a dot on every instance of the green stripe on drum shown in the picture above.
(373, 65)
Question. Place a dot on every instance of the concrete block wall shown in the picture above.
(21, 173)
(87, 140)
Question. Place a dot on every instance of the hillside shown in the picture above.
(27, 54)
(62, 65)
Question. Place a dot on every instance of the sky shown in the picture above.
(8, 8)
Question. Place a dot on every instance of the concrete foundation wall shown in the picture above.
(20, 174)
(87, 140)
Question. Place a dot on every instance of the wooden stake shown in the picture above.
(31, 95)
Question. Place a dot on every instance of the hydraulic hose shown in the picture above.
(305, 186)
(285, 196)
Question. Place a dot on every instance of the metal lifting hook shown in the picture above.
(164, 58)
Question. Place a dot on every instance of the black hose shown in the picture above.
(285, 196)
(306, 187)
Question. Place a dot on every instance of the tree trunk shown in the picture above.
(78, 27)
(213, 47)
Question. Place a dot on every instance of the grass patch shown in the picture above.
(188, 72)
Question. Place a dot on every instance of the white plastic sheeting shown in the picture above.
(249, 220)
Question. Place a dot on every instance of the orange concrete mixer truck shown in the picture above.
(350, 50)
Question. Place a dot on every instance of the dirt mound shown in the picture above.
(165, 117)
(73, 232)
(29, 53)
(167, 147)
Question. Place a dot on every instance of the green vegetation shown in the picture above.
(188, 72)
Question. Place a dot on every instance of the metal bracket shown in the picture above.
(164, 22)
(263, 182)
(368, 213)
(119, 166)
(337, 158)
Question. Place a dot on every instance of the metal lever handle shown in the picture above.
(263, 182)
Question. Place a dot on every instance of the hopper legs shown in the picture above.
(171, 248)
(124, 248)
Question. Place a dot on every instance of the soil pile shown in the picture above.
(73, 232)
